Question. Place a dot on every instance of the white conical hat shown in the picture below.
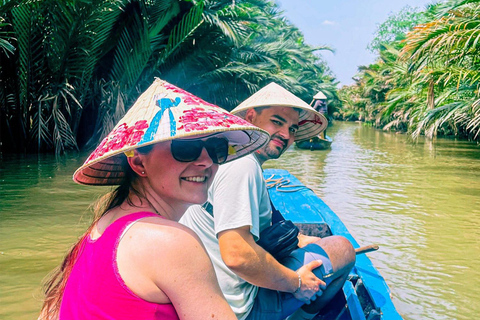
(320, 96)
(311, 123)
(165, 112)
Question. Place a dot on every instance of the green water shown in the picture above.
(419, 202)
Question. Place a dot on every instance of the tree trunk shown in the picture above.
(431, 95)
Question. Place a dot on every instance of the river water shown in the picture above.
(420, 202)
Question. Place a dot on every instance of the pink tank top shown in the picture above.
(95, 289)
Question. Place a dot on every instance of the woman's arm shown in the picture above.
(192, 285)
(172, 258)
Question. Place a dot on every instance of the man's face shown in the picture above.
(281, 123)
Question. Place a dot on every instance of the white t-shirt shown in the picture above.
(240, 198)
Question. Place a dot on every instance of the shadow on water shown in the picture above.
(420, 202)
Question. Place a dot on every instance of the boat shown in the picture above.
(315, 143)
(322, 141)
(365, 294)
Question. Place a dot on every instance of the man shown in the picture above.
(255, 284)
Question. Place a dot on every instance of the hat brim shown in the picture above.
(311, 123)
(109, 170)
(162, 113)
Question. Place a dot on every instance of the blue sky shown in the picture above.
(346, 25)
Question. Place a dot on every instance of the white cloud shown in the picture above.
(329, 23)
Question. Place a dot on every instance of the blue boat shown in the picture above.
(365, 295)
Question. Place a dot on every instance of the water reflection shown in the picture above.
(420, 202)
(42, 214)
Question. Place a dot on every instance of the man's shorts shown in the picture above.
(271, 304)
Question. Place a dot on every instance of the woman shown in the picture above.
(136, 261)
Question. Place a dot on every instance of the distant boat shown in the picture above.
(321, 142)
(365, 294)
(315, 143)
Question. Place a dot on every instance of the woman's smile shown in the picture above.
(195, 179)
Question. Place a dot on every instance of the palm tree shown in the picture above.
(431, 85)
(66, 53)
(79, 65)
(265, 48)
(445, 51)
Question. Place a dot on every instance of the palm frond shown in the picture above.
(183, 30)
(40, 132)
(62, 134)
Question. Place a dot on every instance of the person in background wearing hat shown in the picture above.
(136, 261)
(254, 283)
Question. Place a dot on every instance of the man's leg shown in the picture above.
(268, 304)
(342, 258)
(275, 305)
(338, 257)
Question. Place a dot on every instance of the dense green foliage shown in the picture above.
(427, 83)
(70, 69)
(395, 28)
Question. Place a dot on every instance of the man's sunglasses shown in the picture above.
(190, 150)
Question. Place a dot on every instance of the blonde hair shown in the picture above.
(54, 286)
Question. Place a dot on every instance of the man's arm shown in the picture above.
(251, 262)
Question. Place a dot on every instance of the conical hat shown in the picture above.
(165, 112)
(320, 96)
(311, 123)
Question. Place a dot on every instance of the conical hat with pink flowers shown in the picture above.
(165, 112)
(311, 123)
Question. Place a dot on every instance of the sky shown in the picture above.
(347, 26)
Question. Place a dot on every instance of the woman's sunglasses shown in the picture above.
(190, 150)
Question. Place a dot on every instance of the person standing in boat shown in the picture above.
(136, 261)
(255, 284)
(320, 105)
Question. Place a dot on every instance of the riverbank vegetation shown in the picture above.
(427, 76)
(70, 69)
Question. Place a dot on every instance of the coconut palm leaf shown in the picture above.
(24, 19)
(40, 132)
(160, 13)
(78, 65)
(184, 29)
(6, 38)
(62, 134)
(474, 123)
(133, 49)
(230, 20)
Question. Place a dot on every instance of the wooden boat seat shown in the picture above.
(321, 230)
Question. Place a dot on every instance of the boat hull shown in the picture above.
(365, 294)
(315, 143)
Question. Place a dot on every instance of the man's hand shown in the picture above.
(303, 240)
(311, 285)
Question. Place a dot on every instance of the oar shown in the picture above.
(365, 249)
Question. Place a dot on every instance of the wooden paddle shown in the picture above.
(365, 249)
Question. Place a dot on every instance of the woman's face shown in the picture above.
(178, 184)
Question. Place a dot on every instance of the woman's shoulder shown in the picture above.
(163, 231)
(163, 244)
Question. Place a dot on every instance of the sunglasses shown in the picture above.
(190, 150)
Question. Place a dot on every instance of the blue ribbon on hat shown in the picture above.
(164, 104)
